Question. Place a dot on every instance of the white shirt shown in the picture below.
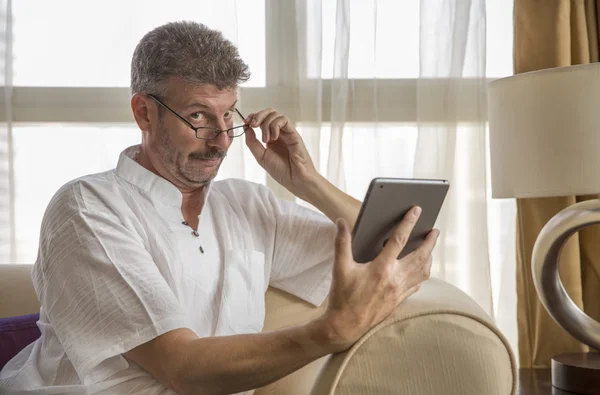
(117, 267)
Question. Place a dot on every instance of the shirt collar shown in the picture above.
(157, 187)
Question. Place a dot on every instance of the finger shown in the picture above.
(426, 248)
(428, 267)
(259, 118)
(343, 249)
(399, 238)
(421, 272)
(276, 125)
(257, 149)
(408, 293)
(266, 126)
(248, 118)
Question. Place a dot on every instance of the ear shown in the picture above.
(143, 111)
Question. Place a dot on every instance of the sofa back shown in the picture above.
(17, 296)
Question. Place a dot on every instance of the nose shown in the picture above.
(222, 141)
(221, 124)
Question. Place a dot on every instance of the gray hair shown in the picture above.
(189, 51)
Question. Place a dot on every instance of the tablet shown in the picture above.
(386, 202)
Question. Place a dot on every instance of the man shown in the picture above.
(152, 277)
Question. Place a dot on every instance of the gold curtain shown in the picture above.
(553, 33)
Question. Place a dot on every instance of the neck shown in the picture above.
(192, 203)
(192, 198)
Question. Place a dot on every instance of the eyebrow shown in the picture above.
(202, 105)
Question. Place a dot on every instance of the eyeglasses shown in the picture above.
(207, 132)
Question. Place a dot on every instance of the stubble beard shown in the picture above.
(173, 160)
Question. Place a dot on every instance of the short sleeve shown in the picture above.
(98, 285)
(303, 251)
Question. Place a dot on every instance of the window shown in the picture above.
(397, 33)
(396, 53)
(79, 43)
(40, 172)
(71, 78)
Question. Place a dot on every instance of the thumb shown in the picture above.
(255, 146)
(343, 248)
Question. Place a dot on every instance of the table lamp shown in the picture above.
(544, 142)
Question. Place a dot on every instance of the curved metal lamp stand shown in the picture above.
(579, 373)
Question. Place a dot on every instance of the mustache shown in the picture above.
(214, 154)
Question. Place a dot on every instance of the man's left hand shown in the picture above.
(285, 156)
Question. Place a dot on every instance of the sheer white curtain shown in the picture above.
(410, 106)
(7, 218)
(448, 138)
(476, 252)
(452, 85)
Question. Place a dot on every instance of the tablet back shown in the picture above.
(386, 202)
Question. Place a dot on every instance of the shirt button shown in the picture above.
(195, 233)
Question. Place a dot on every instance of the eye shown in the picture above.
(228, 114)
(198, 116)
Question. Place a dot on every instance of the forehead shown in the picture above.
(191, 95)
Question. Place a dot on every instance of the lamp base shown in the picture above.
(577, 372)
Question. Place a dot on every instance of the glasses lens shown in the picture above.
(207, 133)
(237, 128)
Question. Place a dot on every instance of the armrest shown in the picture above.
(438, 342)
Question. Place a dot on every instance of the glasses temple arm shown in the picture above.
(174, 113)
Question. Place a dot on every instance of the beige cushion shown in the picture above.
(17, 296)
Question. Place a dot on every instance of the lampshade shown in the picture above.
(545, 132)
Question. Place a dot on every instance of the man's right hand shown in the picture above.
(363, 295)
